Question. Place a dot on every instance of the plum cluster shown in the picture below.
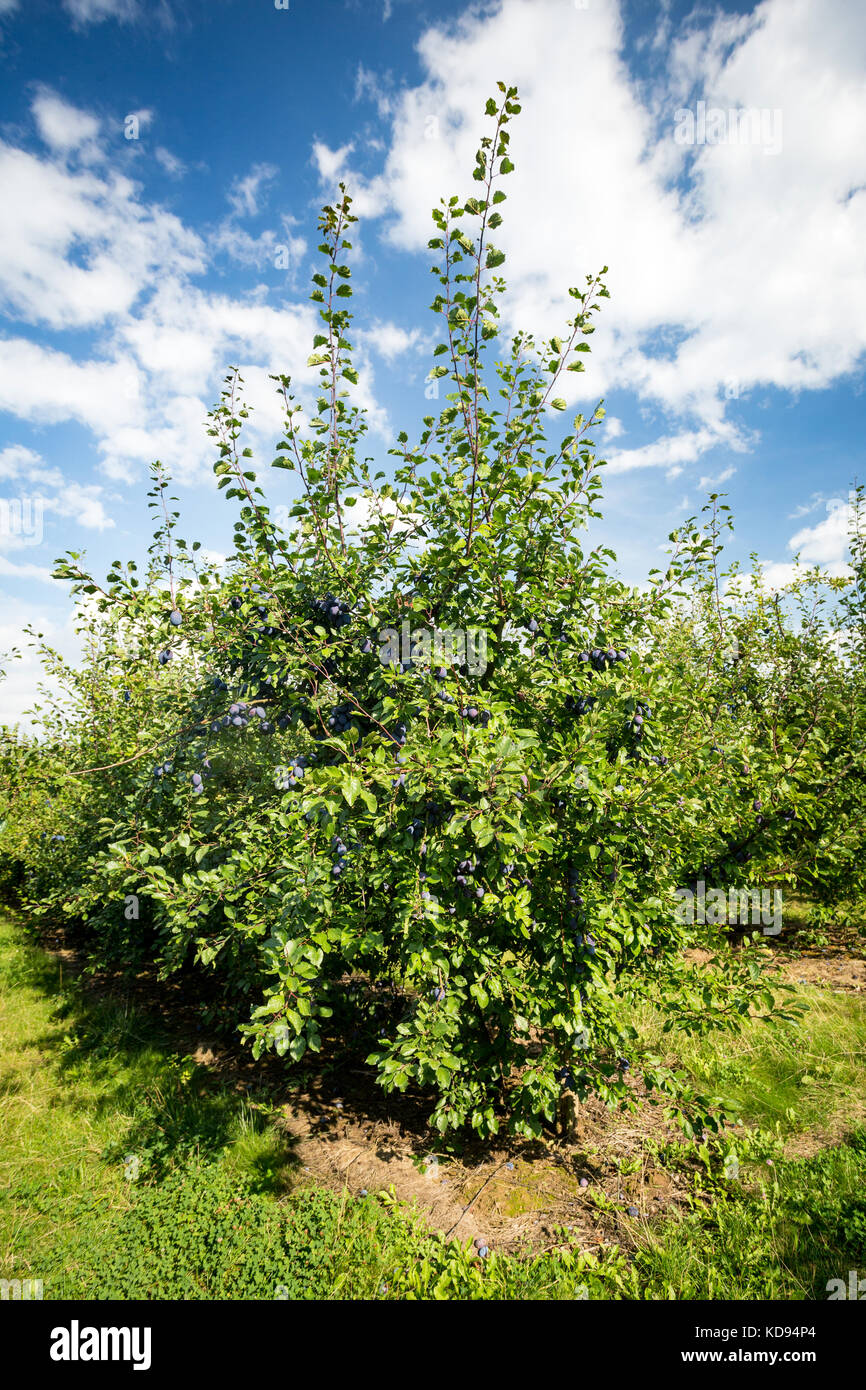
(298, 767)
(336, 612)
(576, 919)
(262, 608)
(637, 722)
(343, 718)
(562, 638)
(463, 875)
(240, 715)
(577, 705)
(197, 778)
(432, 814)
(237, 602)
(472, 713)
(397, 737)
(340, 853)
(601, 658)
(513, 879)
(574, 894)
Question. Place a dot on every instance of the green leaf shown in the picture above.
(351, 789)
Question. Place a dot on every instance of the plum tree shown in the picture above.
(502, 846)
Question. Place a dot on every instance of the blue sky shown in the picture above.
(713, 156)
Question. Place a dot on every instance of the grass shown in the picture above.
(130, 1171)
(778, 1235)
(809, 1075)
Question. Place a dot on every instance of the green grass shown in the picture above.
(808, 1075)
(215, 1205)
(776, 1231)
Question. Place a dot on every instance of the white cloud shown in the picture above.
(173, 166)
(83, 504)
(95, 11)
(78, 248)
(82, 249)
(8, 6)
(47, 386)
(17, 459)
(826, 543)
(780, 574)
(390, 340)
(374, 507)
(19, 690)
(369, 86)
(213, 557)
(62, 126)
(669, 452)
(247, 194)
(280, 250)
(805, 508)
(330, 163)
(24, 570)
(277, 248)
(708, 484)
(723, 264)
(47, 490)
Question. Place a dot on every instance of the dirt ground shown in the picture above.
(517, 1197)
